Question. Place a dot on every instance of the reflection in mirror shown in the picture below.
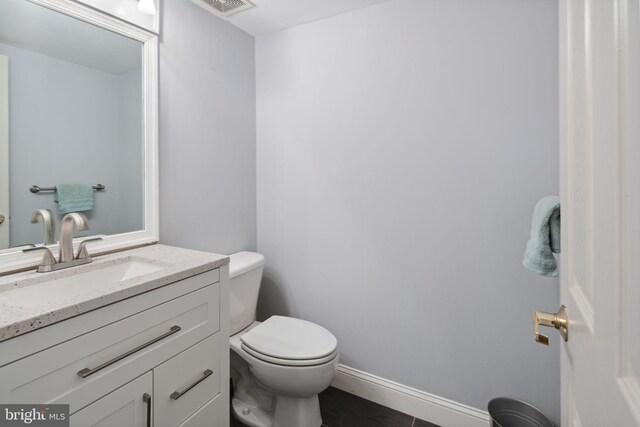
(74, 115)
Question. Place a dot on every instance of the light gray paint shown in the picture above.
(64, 128)
(207, 132)
(400, 151)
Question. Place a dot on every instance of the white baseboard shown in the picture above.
(422, 405)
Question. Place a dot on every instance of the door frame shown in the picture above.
(4, 151)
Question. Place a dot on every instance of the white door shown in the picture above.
(128, 406)
(600, 192)
(4, 152)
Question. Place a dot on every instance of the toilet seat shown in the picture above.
(290, 342)
(289, 362)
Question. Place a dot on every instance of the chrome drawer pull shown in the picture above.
(147, 399)
(86, 371)
(178, 394)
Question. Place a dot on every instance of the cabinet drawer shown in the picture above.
(113, 355)
(43, 338)
(186, 382)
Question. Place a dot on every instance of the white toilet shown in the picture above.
(278, 366)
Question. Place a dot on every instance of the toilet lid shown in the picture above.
(288, 338)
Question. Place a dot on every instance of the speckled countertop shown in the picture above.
(25, 306)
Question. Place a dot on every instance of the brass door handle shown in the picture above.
(2, 219)
(558, 320)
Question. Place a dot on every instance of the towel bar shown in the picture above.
(36, 189)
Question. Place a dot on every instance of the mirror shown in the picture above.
(77, 106)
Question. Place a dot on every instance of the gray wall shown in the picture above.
(207, 132)
(78, 139)
(401, 149)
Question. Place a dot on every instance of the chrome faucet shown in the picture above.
(46, 216)
(66, 234)
(66, 258)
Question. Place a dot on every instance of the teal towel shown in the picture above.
(545, 238)
(74, 197)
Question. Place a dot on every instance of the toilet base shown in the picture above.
(287, 412)
(297, 411)
(250, 414)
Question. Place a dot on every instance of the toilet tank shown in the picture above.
(245, 276)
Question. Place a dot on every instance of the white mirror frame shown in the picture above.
(14, 261)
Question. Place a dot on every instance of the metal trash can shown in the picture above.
(505, 412)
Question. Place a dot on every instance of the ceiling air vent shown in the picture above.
(224, 7)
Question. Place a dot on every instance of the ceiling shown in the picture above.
(274, 15)
(32, 27)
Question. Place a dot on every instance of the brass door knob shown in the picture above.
(2, 218)
(557, 320)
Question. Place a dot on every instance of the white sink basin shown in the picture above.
(76, 283)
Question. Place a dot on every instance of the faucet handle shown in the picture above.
(48, 260)
(82, 249)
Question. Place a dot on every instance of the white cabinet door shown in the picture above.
(600, 135)
(128, 406)
(186, 382)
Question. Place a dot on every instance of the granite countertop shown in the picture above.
(170, 264)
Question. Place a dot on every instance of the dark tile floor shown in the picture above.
(341, 409)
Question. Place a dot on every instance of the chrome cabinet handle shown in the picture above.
(178, 394)
(147, 399)
(87, 371)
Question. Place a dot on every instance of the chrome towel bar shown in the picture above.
(36, 189)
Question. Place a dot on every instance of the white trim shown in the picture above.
(4, 151)
(17, 260)
(417, 403)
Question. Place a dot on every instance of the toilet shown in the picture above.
(279, 366)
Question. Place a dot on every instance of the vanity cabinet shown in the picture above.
(157, 359)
